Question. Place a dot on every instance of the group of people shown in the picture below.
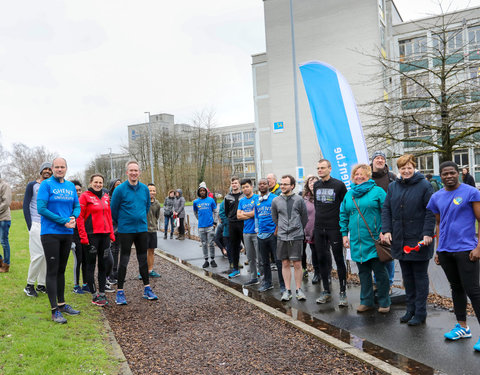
(405, 212)
(106, 223)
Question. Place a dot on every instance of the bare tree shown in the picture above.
(431, 102)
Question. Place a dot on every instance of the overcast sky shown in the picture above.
(74, 74)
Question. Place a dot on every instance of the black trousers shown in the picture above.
(235, 231)
(141, 242)
(324, 239)
(415, 281)
(57, 249)
(101, 241)
(181, 226)
(462, 274)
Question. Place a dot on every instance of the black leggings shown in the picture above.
(101, 241)
(235, 231)
(181, 226)
(115, 250)
(57, 249)
(324, 239)
(462, 274)
(80, 262)
(141, 242)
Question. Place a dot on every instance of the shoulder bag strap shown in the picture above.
(360, 212)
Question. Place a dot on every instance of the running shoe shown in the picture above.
(99, 300)
(108, 288)
(120, 298)
(148, 294)
(67, 309)
(78, 289)
(41, 289)
(112, 280)
(213, 263)
(251, 282)
(206, 264)
(85, 288)
(305, 274)
(234, 273)
(264, 287)
(30, 291)
(57, 317)
(300, 295)
(324, 297)
(286, 295)
(458, 333)
(154, 274)
(139, 277)
(476, 347)
(342, 299)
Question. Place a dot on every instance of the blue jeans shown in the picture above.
(168, 219)
(4, 229)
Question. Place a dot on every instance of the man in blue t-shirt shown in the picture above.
(457, 207)
(246, 213)
(267, 240)
(205, 208)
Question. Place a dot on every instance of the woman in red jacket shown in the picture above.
(96, 230)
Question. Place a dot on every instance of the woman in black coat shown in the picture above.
(467, 178)
(405, 222)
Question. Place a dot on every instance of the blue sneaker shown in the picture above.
(120, 299)
(154, 274)
(458, 333)
(77, 289)
(57, 317)
(67, 309)
(85, 288)
(476, 347)
(148, 294)
(234, 273)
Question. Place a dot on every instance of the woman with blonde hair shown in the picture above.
(405, 222)
(360, 216)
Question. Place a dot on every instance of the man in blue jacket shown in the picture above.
(205, 208)
(130, 205)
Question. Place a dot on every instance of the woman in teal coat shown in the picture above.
(369, 198)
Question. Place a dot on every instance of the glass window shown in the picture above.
(237, 137)
(455, 41)
(461, 157)
(249, 136)
(425, 163)
(411, 89)
(250, 168)
(411, 48)
(474, 74)
(226, 138)
(249, 152)
(474, 38)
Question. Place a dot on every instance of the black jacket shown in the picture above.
(406, 217)
(231, 206)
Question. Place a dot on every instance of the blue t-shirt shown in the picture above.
(457, 220)
(204, 208)
(56, 202)
(263, 215)
(247, 205)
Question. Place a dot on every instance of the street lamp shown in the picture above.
(150, 145)
(111, 165)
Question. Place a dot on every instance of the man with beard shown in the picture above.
(204, 208)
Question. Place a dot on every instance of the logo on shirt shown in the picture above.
(457, 200)
(325, 195)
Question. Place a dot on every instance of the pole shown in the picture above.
(295, 92)
(150, 146)
(111, 165)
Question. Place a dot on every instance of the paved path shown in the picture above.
(371, 331)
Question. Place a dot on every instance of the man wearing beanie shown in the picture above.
(38, 266)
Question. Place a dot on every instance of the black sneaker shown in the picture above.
(206, 264)
(41, 289)
(67, 309)
(213, 263)
(30, 291)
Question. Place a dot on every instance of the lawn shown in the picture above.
(30, 343)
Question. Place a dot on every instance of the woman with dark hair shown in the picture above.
(467, 178)
(96, 230)
(168, 207)
(405, 222)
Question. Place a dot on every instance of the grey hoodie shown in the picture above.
(5, 201)
(179, 205)
(290, 215)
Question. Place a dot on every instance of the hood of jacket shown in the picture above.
(202, 187)
(179, 191)
(112, 184)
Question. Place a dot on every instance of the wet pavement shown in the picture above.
(417, 350)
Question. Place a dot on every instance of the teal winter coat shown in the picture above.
(369, 198)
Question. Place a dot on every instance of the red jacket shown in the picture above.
(95, 216)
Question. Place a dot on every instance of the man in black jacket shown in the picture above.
(328, 195)
(235, 226)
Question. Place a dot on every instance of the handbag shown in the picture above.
(384, 251)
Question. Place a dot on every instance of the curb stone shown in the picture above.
(330, 340)
(124, 368)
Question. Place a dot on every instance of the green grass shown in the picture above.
(30, 343)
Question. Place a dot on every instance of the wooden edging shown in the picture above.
(330, 340)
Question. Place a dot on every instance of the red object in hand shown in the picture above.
(409, 249)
